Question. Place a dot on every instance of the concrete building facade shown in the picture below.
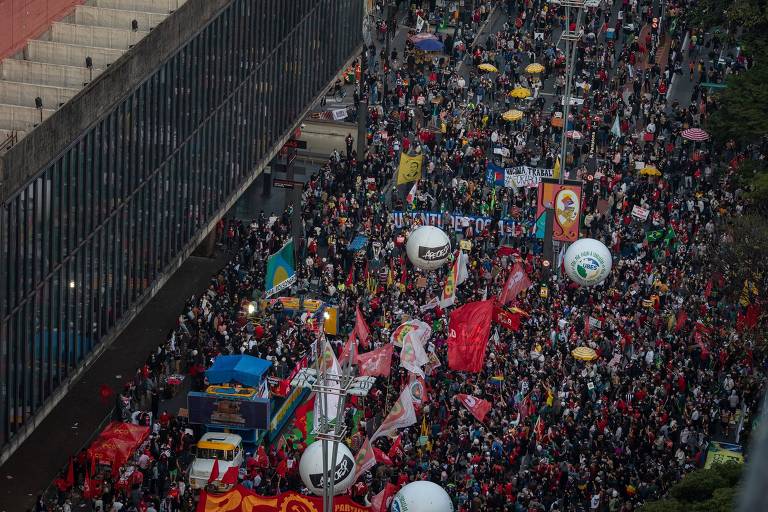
(103, 200)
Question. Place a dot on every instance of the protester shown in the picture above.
(673, 370)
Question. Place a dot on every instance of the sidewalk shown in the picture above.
(74, 420)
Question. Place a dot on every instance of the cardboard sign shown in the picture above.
(639, 213)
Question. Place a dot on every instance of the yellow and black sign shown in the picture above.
(409, 169)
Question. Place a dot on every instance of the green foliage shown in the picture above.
(698, 486)
(742, 256)
(759, 192)
(742, 109)
(662, 506)
(704, 490)
(749, 16)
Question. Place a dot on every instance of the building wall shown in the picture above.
(21, 20)
(86, 238)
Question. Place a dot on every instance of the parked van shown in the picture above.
(226, 448)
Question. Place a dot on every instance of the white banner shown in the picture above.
(640, 213)
(521, 176)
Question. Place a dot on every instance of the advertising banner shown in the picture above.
(565, 201)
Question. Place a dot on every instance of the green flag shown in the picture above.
(281, 272)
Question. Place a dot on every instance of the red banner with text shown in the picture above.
(241, 499)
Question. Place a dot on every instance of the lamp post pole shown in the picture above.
(570, 38)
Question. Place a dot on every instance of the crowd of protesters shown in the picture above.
(673, 372)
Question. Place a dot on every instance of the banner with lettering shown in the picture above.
(241, 499)
(458, 222)
(521, 176)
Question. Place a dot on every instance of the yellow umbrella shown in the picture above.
(488, 67)
(584, 354)
(650, 171)
(512, 115)
(520, 92)
(534, 68)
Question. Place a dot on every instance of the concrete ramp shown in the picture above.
(52, 69)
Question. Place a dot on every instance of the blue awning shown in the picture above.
(246, 370)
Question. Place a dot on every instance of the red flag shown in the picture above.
(505, 318)
(477, 406)
(350, 347)
(376, 363)
(469, 328)
(70, 480)
(708, 289)
(587, 327)
(381, 457)
(395, 449)
(282, 468)
(382, 501)
(231, 476)
(214, 471)
(300, 415)
(752, 316)
(361, 329)
(88, 489)
(351, 275)
(516, 282)
(682, 317)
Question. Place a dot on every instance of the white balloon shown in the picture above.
(428, 247)
(311, 467)
(422, 496)
(588, 262)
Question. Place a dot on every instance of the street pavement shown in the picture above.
(74, 421)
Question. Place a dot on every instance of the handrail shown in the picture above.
(9, 141)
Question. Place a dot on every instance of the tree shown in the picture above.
(742, 109)
(747, 17)
(704, 490)
(739, 254)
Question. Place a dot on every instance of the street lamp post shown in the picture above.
(331, 431)
(570, 38)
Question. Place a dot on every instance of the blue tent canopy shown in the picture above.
(246, 370)
(429, 45)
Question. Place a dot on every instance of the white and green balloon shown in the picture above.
(588, 262)
(422, 496)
